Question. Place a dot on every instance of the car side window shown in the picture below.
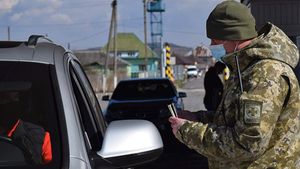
(29, 126)
(89, 110)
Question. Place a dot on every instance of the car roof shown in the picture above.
(39, 49)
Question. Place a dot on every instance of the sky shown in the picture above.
(85, 23)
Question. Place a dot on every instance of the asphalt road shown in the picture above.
(176, 155)
(194, 83)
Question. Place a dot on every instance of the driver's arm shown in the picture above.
(47, 152)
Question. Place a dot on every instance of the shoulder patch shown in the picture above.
(252, 111)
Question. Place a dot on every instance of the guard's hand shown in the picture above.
(175, 123)
(185, 114)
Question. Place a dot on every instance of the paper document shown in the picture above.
(173, 110)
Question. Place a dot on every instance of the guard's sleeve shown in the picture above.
(47, 152)
(256, 115)
(205, 116)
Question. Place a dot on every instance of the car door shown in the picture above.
(107, 152)
(90, 114)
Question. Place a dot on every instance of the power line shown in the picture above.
(82, 23)
(90, 36)
(134, 27)
(184, 32)
(69, 6)
(93, 35)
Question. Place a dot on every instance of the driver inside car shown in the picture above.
(33, 137)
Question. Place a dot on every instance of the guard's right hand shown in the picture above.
(175, 123)
(185, 114)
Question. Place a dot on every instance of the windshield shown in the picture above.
(192, 69)
(144, 89)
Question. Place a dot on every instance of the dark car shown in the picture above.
(143, 98)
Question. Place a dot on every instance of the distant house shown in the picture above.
(95, 60)
(201, 56)
(181, 60)
(131, 49)
(93, 63)
(179, 50)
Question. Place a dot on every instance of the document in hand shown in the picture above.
(173, 110)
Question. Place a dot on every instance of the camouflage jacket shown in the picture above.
(260, 127)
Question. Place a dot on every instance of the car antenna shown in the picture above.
(239, 74)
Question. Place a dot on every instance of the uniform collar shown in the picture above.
(244, 57)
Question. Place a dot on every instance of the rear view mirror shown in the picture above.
(182, 94)
(105, 98)
(131, 142)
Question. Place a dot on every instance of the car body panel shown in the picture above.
(42, 53)
(72, 120)
(78, 163)
(21, 52)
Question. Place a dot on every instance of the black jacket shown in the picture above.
(213, 89)
(32, 137)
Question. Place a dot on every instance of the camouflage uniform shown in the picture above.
(260, 127)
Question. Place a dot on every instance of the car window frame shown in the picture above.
(61, 120)
(97, 115)
(95, 160)
(96, 118)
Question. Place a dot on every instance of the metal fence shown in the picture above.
(178, 71)
(143, 74)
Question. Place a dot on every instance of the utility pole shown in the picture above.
(162, 59)
(108, 47)
(116, 52)
(8, 31)
(113, 19)
(145, 32)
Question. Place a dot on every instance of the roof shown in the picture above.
(195, 59)
(181, 60)
(130, 42)
(87, 58)
(180, 50)
(200, 51)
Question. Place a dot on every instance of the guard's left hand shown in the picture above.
(185, 114)
(175, 123)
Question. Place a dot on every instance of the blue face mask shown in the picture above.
(218, 51)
